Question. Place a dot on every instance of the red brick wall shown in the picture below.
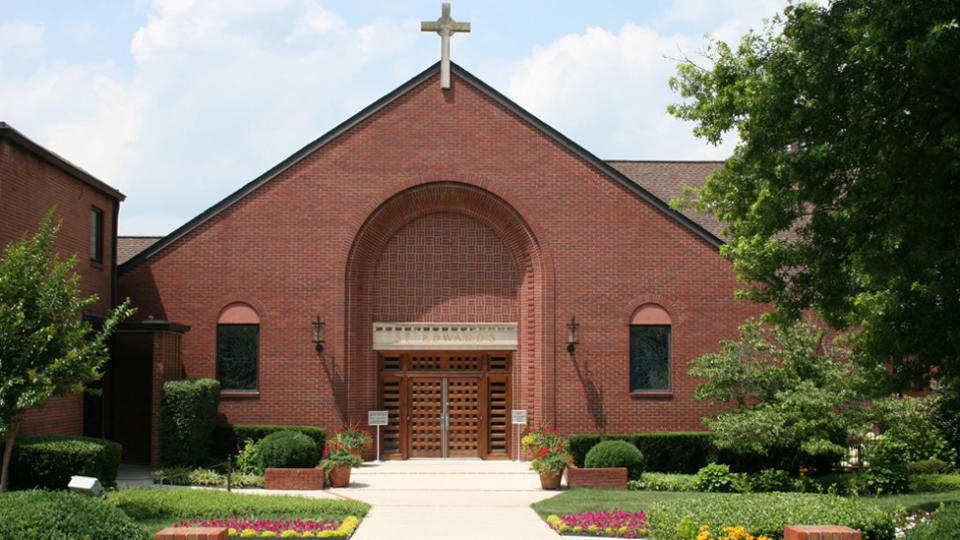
(29, 187)
(293, 478)
(313, 239)
(612, 478)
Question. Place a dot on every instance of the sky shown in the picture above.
(178, 103)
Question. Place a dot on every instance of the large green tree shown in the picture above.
(843, 192)
(46, 348)
(786, 387)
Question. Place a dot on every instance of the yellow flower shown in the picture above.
(289, 534)
(247, 533)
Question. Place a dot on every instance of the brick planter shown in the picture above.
(820, 532)
(613, 478)
(193, 533)
(293, 478)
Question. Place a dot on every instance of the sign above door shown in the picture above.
(444, 336)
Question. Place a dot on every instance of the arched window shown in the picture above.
(650, 349)
(238, 347)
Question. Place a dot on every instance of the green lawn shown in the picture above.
(587, 500)
(574, 501)
(158, 508)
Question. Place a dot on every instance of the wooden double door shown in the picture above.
(451, 404)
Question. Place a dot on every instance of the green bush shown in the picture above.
(40, 515)
(934, 482)
(288, 449)
(50, 461)
(714, 477)
(654, 481)
(188, 414)
(768, 480)
(675, 452)
(610, 454)
(181, 504)
(887, 474)
(248, 461)
(928, 466)
(768, 513)
(945, 524)
(230, 438)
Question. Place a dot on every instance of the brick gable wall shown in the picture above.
(312, 240)
(29, 187)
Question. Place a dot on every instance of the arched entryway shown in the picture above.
(459, 256)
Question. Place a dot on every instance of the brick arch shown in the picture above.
(534, 366)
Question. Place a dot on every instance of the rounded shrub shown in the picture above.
(288, 449)
(610, 454)
(37, 514)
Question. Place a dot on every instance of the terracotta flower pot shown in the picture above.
(550, 481)
(340, 477)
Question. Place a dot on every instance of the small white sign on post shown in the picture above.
(518, 417)
(378, 418)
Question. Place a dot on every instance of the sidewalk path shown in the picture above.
(469, 499)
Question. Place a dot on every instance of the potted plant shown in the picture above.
(337, 462)
(356, 440)
(542, 437)
(550, 463)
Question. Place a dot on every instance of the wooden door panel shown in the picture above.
(463, 409)
(426, 408)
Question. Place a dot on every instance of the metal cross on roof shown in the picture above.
(445, 26)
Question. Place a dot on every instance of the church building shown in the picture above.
(447, 257)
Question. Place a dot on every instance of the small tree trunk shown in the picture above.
(7, 452)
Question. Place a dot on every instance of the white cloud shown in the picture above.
(608, 92)
(24, 38)
(86, 113)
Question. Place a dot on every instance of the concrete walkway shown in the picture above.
(468, 499)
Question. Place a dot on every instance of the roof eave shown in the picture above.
(7, 132)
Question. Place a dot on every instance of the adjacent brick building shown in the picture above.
(447, 240)
(32, 181)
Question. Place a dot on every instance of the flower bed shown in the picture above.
(281, 528)
(615, 524)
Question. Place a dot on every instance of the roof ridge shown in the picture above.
(379, 105)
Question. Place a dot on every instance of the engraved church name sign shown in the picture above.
(445, 336)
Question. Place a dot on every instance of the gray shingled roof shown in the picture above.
(665, 179)
(129, 246)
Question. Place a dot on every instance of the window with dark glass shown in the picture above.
(238, 349)
(96, 234)
(649, 357)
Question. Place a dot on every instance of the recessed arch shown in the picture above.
(534, 363)
(651, 313)
(238, 313)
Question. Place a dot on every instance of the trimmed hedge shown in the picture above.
(40, 515)
(934, 482)
(188, 414)
(767, 514)
(288, 449)
(49, 461)
(228, 438)
(675, 452)
(664, 482)
(686, 452)
(611, 454)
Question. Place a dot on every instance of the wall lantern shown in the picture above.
(572, 335)
(318, 334)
